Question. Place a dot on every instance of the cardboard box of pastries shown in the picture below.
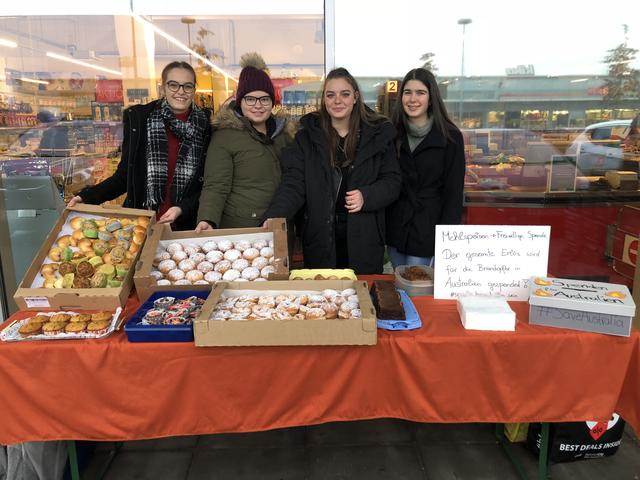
(87, 260)
(298, 312)
(196, 261)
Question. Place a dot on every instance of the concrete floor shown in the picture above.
(374, 449)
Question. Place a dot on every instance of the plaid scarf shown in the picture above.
(191, 135)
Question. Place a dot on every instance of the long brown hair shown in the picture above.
(358, 115)
(435, 110)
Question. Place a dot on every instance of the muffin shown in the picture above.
(98, 327)
(30, 328)
(81, 317)
(60, 317)
(39, 319)
(75, 327)
(101, 317)
(53, 328)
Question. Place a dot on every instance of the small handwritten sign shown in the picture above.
(489, 259)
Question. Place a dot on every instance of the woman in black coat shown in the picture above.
(431, 156)
(163, 153)
(343, 169)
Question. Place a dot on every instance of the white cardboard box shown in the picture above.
(486, 313)
(581, 305)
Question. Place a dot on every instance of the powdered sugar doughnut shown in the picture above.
(270, 243)
(268, 300)
(344, 315)
(353, 299)
(187, 265)
(232, 255)
(264, 273)
(214, 256)
(356, 313)
(339, 300)
(197, 257)
(329, 294)
(180, 255)
(281, 315)
(164, 282)
(156, 275)
(302, 299)
(205, 266)
(251, 253)
(213, 277)
(266, 252)
(191, 248)
(201, 282)
(222, 266)
(174, 247)
(259, 244)
(314, 314)
(330, 310)
(166, 266)
(317, 299)
(250, 273)
(348, 306)
(221, 315)
(230, 275)
(209, 245)
(182, 281)
(348, 291)
(194, 275)
(259, 262)
(240, 264)
(175, 275)
(242, 245)
(160, 256)
(224, 245)
(289, 307)
(262, 311)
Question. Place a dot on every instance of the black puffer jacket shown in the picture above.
(432, 192)
(131, 175)
(309, 180)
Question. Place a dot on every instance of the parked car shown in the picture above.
(599, 147)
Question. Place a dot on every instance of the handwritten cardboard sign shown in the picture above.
(489, 259)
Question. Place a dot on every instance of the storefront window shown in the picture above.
(66, 79)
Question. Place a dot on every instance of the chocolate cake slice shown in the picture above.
(387, 300)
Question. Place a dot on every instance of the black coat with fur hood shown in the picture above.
(309, 180)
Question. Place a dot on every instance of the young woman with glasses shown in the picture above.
(343, 171)
(431, 155)
(163, 153)
(243, 162)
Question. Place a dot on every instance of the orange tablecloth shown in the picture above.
(111, 389)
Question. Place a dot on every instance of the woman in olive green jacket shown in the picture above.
(242, 170)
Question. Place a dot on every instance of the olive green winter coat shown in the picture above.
(242, 170)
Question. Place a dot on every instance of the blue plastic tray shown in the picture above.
(138, 332)
(412, 318)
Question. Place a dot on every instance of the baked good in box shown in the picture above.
(387, 301)
(60, 317)
(81, 317)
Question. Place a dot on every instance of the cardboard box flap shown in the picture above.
(110, 210)
(598, 297)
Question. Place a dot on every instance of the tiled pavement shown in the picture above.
(374, 449)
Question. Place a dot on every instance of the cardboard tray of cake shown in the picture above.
(196, 261)
(87, 260)
(300, 312)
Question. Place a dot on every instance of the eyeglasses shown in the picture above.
(251, 101)
(186, 87)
